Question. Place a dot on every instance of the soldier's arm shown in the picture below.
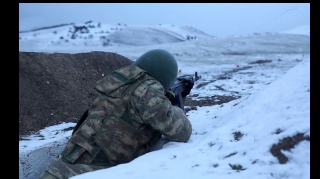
(156, 110)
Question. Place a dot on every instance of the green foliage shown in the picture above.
(236, 167)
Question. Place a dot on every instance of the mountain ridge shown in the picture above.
(100, 34)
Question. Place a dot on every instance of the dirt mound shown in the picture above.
(58, 87)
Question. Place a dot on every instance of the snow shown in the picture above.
(301, 30)
(274, 97)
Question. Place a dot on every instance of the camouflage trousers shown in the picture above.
(47, 175)
(58, 169)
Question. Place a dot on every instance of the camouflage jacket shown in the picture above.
(128, 116)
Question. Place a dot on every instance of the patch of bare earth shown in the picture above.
(58, 87)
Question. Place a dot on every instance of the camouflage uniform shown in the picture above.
(129, 114)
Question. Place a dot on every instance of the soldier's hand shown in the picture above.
(189, 85)
(169, 94)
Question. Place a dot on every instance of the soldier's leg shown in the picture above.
(47, 175)
(59, 169)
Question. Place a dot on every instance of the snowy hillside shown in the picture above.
(98, 34)
(270, 72)
(301, 30)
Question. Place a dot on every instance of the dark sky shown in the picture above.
(217, 19)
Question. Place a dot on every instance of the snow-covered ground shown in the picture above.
(274, 103)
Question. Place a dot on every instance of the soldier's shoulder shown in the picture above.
(150, 86)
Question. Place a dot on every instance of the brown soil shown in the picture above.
(58, 87)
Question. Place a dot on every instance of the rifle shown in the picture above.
(178, 87)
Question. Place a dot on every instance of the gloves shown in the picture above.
(169, 94)
(189, 85)
(172, 97)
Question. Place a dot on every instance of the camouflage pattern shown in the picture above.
(128, 116)
(61, 170)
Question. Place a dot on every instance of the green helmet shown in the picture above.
(160, 65)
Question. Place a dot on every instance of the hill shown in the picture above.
(58, 87)
(106, 35)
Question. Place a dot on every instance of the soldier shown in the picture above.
(128, 116)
